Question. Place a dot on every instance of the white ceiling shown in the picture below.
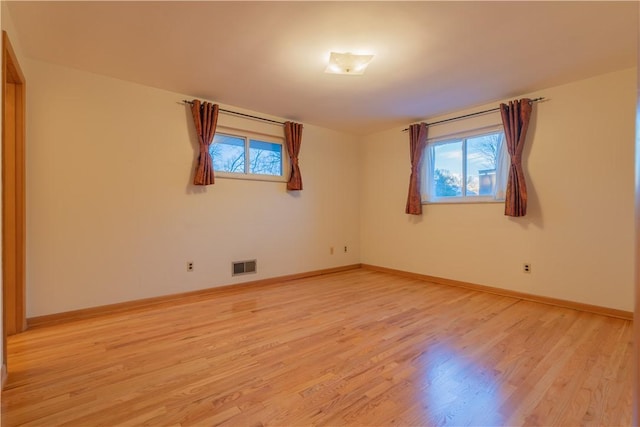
(430, 57)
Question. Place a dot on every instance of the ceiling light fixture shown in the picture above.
(347, 63)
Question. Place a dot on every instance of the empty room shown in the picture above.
(319, 213)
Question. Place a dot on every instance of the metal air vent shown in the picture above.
(243, 267)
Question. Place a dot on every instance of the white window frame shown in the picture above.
(501, 168)
(247, 175)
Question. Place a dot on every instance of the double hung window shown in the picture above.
(467, 168)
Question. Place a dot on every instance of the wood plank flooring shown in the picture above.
(352, 348)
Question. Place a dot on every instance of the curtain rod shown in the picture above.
(471, 115)
(241, 114)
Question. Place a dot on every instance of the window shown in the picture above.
(243, 155)
(469, 168)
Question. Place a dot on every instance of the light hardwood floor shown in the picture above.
(353, 348)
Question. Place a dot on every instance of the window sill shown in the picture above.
(463, 201)
(249, 177)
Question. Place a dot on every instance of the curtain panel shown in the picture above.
(515, 119)
(293, 140)
(205, 118)
(417, 143)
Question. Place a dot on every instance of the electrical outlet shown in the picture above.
(345, 249)
(190, 266)
(331, 250)
(526, 267)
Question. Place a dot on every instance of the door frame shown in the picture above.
(13, 198)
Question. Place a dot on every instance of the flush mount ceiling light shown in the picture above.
(347, 63)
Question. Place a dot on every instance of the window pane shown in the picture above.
(265, 158)
(482, 156)
(448, 169)
(227, 153)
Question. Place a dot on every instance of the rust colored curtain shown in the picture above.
(205, 117)
(417, 142)
(515, 119)
(293, 139)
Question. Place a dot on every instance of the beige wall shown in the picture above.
(112, 214)
(578, 234)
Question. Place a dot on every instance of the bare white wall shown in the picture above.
(112, 215)
(578, 233)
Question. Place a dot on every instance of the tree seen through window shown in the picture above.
(232, 154)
